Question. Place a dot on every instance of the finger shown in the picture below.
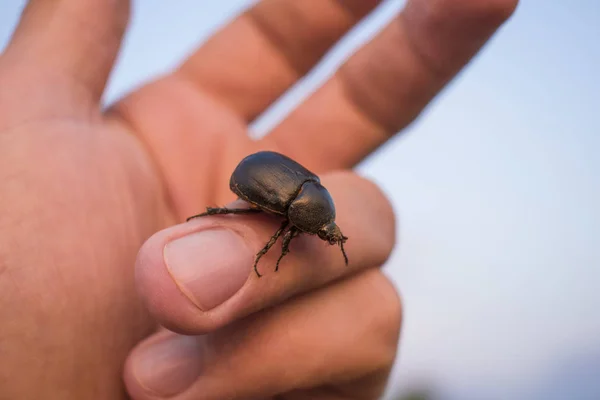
(70, 42)
(266, 49)
(386, 84)
(343, 336)
(198, 276)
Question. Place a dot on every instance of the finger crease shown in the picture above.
(426, 61)
(276, 41)
(356, 99)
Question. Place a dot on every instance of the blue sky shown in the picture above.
(496, 187)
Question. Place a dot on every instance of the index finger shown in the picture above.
(265, 50)
(197, 277)
(70, 43)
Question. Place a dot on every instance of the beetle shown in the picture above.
(274, 183)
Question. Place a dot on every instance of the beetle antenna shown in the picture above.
(342, 247)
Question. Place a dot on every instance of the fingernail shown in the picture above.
(209, 266)
(169, 366)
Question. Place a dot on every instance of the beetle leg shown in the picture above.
(270, 244)
(223, 210)
(285, 247)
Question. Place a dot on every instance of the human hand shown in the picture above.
(84, 189)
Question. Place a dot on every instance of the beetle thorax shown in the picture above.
(312, 208)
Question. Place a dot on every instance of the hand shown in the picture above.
(84, 189)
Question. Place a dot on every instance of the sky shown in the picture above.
(496, 187)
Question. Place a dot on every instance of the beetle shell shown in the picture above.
(270, 181)
(312, 209)
(277, 184)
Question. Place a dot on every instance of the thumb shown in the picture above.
(197, 266)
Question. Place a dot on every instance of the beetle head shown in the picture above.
(332, 234)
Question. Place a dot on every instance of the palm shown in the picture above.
(194, 140)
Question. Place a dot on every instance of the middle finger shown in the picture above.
(268, 48)
(197, 277)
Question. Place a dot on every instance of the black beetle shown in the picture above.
(273, 183)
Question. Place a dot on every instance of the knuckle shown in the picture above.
(390, 308)
(386, 221)
(368, 199)
(386, 323)
(445, 34)
(372, 197)
(376, 200)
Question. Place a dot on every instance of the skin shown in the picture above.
(90, 274)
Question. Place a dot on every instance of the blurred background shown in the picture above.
(497, 192)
